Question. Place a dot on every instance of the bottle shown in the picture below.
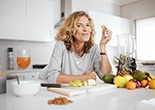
(10, 58)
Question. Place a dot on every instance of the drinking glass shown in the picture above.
(23, 60)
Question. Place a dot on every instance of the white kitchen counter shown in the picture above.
(113, 99)
(29, 73)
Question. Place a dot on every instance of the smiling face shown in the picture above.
(77, 30)
(83, 30)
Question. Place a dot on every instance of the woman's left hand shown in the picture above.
(106, 37)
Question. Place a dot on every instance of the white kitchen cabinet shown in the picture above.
(28, 74)
(12, 19)
(30, 20)
(39, 20)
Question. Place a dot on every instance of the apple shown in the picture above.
(84, 83)
(73, 84)
(78, 83)
(91, 82)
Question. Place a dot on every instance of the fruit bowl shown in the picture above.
(25, 88)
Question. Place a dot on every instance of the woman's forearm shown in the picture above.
(105, 64)
(65, 78)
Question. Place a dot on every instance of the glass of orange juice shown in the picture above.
(23, 59)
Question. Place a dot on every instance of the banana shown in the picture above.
(148, 78)
(149, 75)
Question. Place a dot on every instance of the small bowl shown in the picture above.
(25, 88)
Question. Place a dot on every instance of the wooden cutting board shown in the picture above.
(74, 91)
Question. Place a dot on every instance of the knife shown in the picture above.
(50, 85)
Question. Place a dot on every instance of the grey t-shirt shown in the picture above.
(63, 61)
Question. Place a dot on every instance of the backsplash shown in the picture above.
(40, 51)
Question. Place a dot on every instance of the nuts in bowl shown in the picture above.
(25, 88)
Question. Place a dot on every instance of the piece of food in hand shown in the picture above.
(103, 27)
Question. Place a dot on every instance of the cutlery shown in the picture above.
(51, 85)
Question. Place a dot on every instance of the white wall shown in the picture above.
(138, 10)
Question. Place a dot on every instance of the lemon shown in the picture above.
(120, 82)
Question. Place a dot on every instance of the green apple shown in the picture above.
(78, 83)
(84, 83)
(91, 82)
(73, 84)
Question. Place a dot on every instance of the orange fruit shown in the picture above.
(152, 84)
(144, 83)
(130, 85)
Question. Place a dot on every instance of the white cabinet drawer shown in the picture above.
(28, 74)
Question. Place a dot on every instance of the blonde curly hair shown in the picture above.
(68, 29)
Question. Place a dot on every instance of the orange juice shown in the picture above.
(23, 62)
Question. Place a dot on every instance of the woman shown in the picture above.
(75, 55)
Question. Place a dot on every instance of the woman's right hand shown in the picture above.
(90, 75)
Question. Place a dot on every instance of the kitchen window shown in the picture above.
(145, 35)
